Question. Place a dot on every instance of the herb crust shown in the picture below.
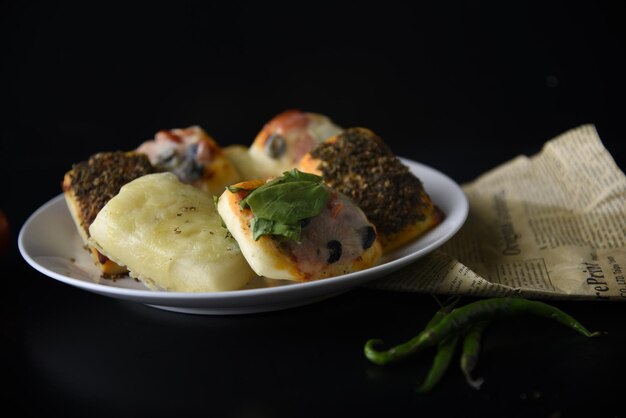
(360, 165)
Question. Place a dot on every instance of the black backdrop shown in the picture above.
(462, 87)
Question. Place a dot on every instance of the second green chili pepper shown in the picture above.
(445, 352)
(471, 350)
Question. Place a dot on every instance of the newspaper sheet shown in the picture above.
(552, 226)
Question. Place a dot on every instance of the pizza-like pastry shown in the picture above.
(295, 227)
(286, 138)
(239, 157)
(169, 236)
(360, 165)
(90, 184)
(193, 156)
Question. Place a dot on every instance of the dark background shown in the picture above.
(462, 87)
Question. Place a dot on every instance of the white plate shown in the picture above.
(49, 242)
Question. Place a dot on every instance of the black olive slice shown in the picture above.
(275, 146)
(334, 249)
(368, 236)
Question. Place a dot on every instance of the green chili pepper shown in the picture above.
(471, 350)
(444, 309)
(445, 352)
(461, 317)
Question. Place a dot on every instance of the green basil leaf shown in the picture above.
(280, 204)
(292, 176)
(262, 226)
(296, 175)
(288, 177)
(288, 202)
(235, 189)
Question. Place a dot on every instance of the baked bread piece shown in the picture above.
(90, 184)
(286, 138)
(169, 236)
(239, 157)
(360, 165)
(336, 241)
(193, 156)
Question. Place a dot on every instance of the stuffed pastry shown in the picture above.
(286, 138)
(193, 156)
(90, 184)
(169, 236)
(294, 227)
(359, 164)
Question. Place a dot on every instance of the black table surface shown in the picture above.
(460, 87)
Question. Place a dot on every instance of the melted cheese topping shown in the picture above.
(339, 240)
(170, 236)
(193, 156)
(286, 138)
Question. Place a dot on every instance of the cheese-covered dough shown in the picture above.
(286, 138)
(239, 157)
(170, 236)
(337, 241)
(194, 156)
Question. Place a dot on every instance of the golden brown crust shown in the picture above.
(90, 184)
(433, 216)
(94, 182)
(109, 269)
(360, 165)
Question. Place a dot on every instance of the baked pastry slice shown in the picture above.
(360, 165)
(194, 156)
(296, 228)
(239, 157)
(286, 138)
(170, 237)
(90, 184)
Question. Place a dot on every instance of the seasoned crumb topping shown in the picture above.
(96, 181)
(360, 165)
